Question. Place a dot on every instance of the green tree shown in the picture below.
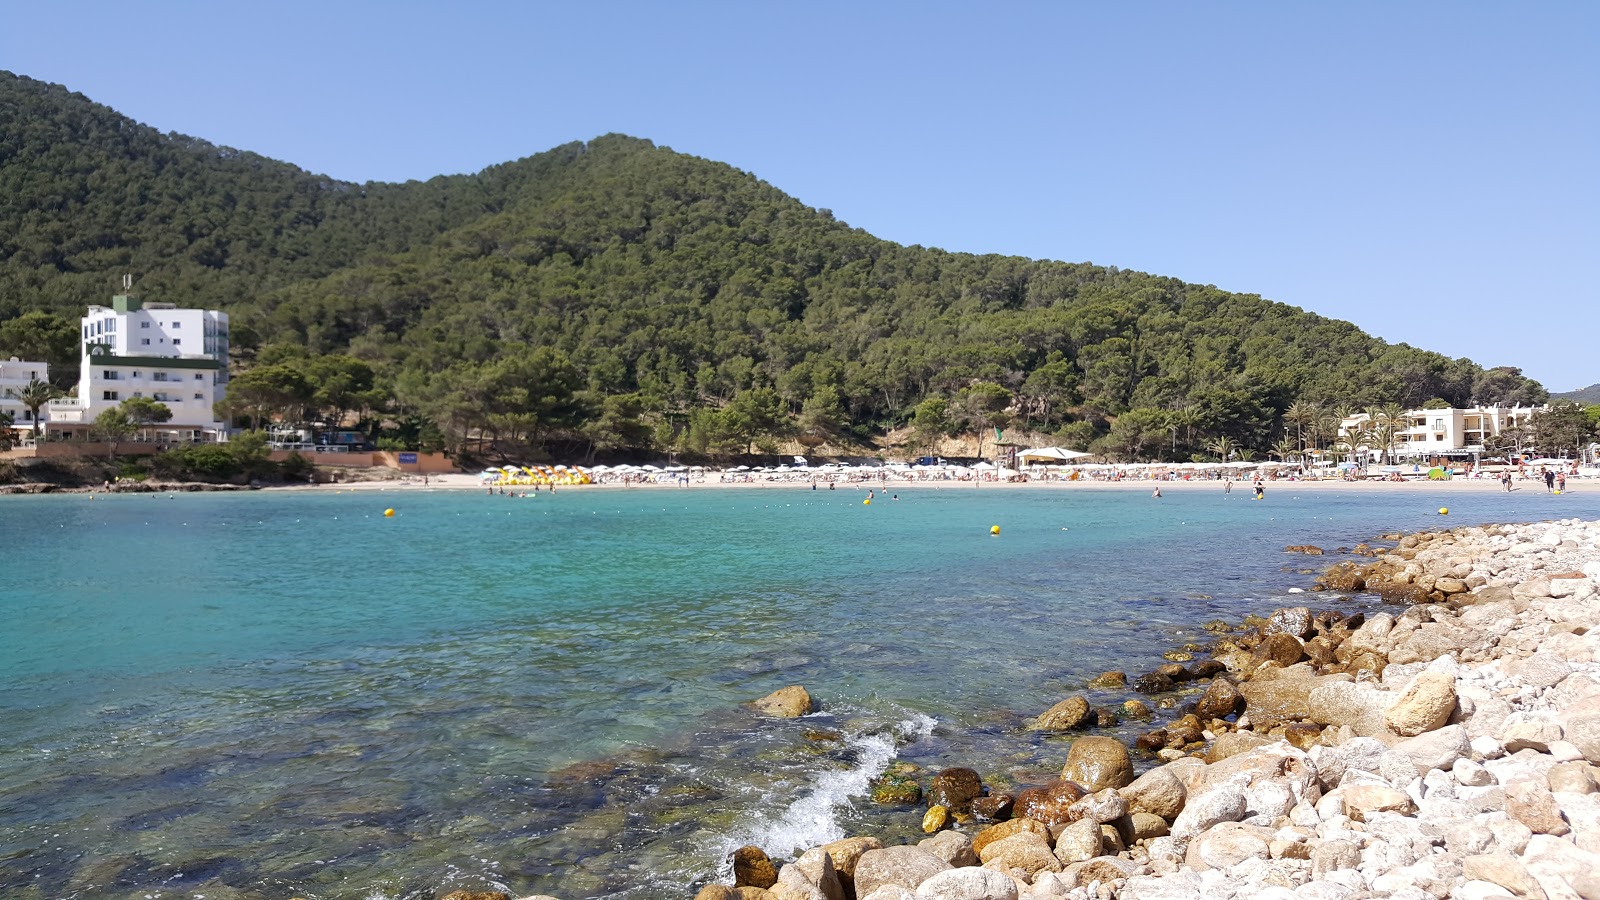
(113, 426)
(931, 423)
(8, 437)
(267, 392)
(1561, 430)
(35, 395)
(982, 406)
(43, 337)
(143, 411)
(620, 425)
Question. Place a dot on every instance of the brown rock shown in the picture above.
(1098, 763)
(752, 866)
(1425, 704)
(1152, 741)
(993, 808)
(1207, 668)
(1283, 649)
(1026, 851)
(955, 789)
(846, 853)
(1533, 805)
(1154, 683)
(1220, 700)
(906, 867)
(1302, 734)
(1174, 671)
(1064, 716)
(786, 703)
(1158, 792)
(1006, 829)
(1079, 841)
(709, 892)
(476, 895)
(1361, 800)
(1136, 709)
(1109, 681)
(1234, 743)
(745, 893)
(1050, 804)
(1307, 549)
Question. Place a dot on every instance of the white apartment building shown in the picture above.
(14, 376)
(178, 357)
(1446, 432)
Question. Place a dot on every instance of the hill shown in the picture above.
(1587, 396)
(623, 295)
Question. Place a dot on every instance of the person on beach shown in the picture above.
(1549, 481)
(1227, 486)
(1561, 482)
(1260, 491)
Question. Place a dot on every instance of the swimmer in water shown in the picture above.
(1156, 493)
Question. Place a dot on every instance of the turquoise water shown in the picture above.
(287, 694)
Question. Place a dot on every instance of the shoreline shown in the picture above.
(1445, 749)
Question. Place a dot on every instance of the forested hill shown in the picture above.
(625, 295)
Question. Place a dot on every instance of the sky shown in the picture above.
(1428, 171)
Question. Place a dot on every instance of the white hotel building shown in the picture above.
(14, 376)
(178, 357)
(1459, 433)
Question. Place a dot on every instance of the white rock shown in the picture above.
(1223, 803)
(1471, 774)
(970, 883)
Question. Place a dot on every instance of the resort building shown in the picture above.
(178, 357)
(1459, 433)
(15, 374)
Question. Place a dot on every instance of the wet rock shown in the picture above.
(786, 703)
(752, 867)
(817, 866)
(1174, 671)
(1207, 668)
(1006, 829)
(1303, 735)
(718, 892)
(1049, 804)
(1151, 741)
(953, 847)
(955, 789)
(476, 895)
(890, 789)
(1136, 709)
(994, 807)
(1307, 549)
(1098, 763)
(1070, 713)
(935, 818)
(1158, 792)
(1154, 683)
(968, 884)
(1220, 700)
(1106, 717)
(906, 867)
(1425, 704)
(1109, 681)
(1283, 649)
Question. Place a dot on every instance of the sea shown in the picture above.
(291, 694)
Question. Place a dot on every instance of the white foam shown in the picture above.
(812, 819)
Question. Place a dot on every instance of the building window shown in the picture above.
(144, 324)
(136, 374)
(199, 396)
(176, 342)
(112, 374)
(160, 376)
(199, 377)
(108, 395)
(145, 341)
(176, 324)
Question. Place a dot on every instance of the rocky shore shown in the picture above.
(1445, 749)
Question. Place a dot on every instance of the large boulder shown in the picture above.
(1225, 846)
(906, 867)
(786, 703)
(1296, 620)
(1360, 706)
(1025, 851)
(1050, 804)
(953, 847)
(846, 853)
(752, 866)
(1098, 763)
(1223, 803)
(819, 869)
(1283, 649)
(1070, 713)
(1079, 841)
(968, 884)
(1425, 704)
(1004, 830)
(1278, 696)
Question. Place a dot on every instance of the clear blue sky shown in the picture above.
(1429, 171)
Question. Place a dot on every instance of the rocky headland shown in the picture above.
(1444, 749)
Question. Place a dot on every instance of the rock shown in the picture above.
(1098, 763)
(993, 807)
(1532, 804)
(1157, 792)
(1283, 697)
(891, 892)
(847, 852)
(818, 867)
(476, 895)
(955, 789)
(1225, 846)
(1303, 735)
(906, 867)
(895, 789)
(1436, 749)
(1425, 704)
(1223, 803)
(1109, 681)
(1144, 827)
(1331, 856)
(1006, 829)
(953, 847)
(794, 884)
(1136, 709)
(1503, 869)
(786, 703)
(1283, 649)
(1220, 700)
(1050, 804)
(1524, 731)
(1363, 800)
(1079, 841)
(1572, 777)
(1154, 683)
(1471, 774)
(712, 892)
(752, 867)
(1359, 706)
(1295, 620)
(968, 884)
(1070, 713)
(935, 818)
(1234, 743)
(1100, 807)
(1025, 850)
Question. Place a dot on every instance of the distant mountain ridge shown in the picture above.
(707, 298)
(1587, 396)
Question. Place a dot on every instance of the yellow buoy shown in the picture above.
(867, 502)
(1444, 510)
(1557, 492)
(994, 529)
(388, 514)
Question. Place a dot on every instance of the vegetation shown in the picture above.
(613, 295)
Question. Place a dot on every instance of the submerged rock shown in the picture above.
(786, 703)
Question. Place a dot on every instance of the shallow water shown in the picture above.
(289, 695)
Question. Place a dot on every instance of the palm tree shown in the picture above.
(1301, 415)
(7, 437)
(1223, 447)
(34, 395)
(1284, 449)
